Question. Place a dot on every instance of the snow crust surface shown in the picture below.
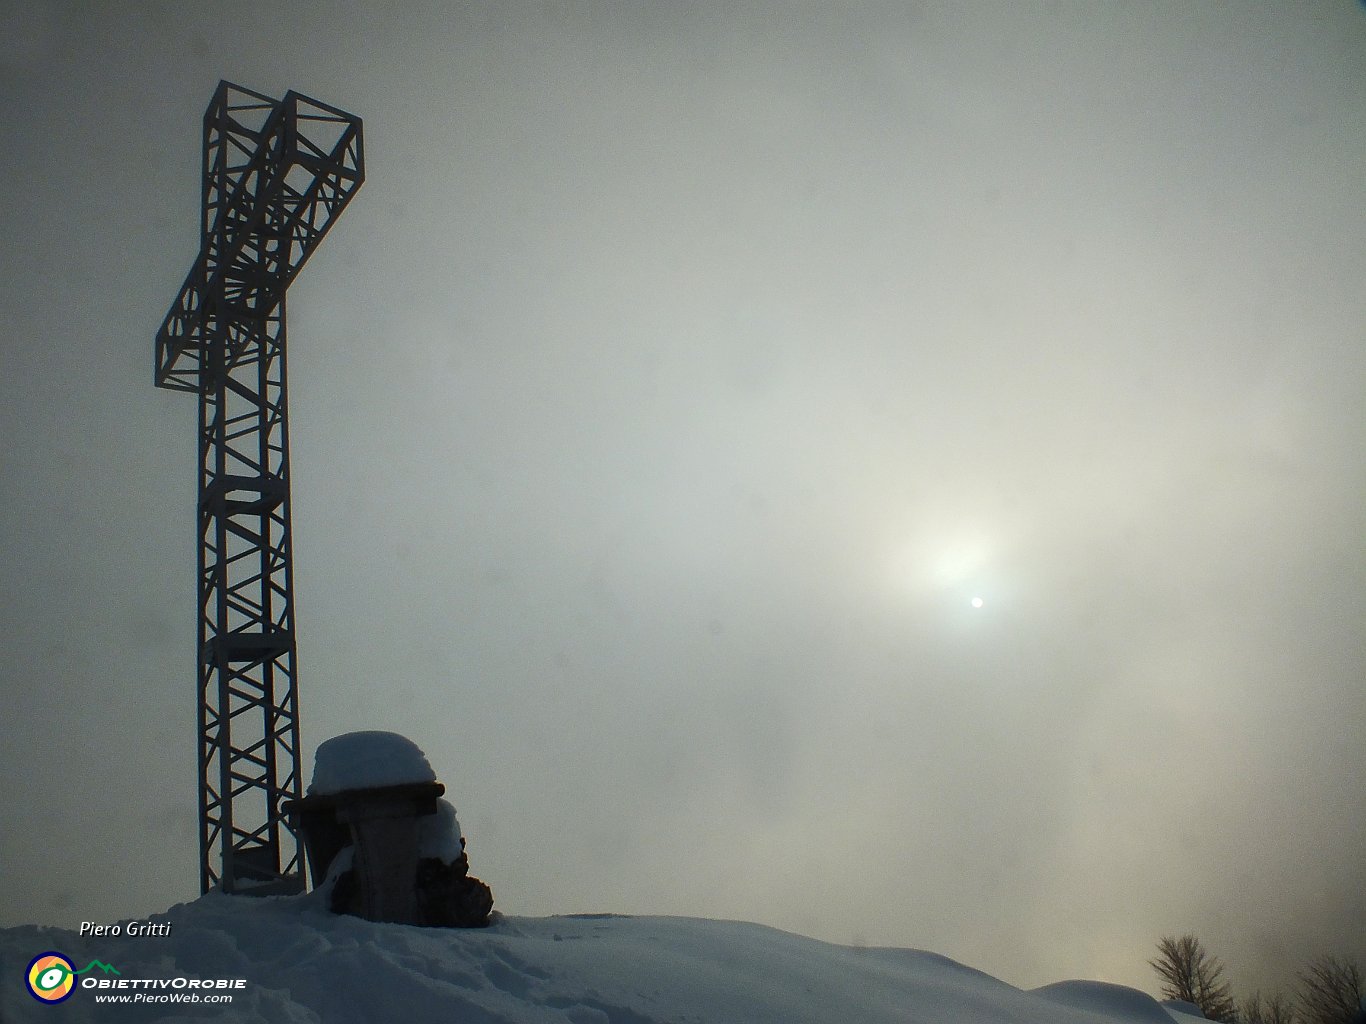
(1183, 1012)
(1101, 997)
(303, 964)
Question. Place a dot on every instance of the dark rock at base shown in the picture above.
(447, 895)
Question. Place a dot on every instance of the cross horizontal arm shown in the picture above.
(270, 195)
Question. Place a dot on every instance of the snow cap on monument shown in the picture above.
(365, 760)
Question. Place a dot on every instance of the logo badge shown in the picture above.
(51, 977)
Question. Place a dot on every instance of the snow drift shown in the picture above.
(303, 964)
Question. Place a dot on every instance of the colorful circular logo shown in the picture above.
(51, 977)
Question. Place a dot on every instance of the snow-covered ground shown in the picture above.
(290, 960)
(301, 963)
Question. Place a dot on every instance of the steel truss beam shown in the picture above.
(276, 174)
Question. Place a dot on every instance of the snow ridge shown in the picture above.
(303, 964)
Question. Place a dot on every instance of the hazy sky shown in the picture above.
(678, 377)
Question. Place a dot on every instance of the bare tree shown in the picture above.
(1330, 991)
(1275, 1010)
(1189, 973)
(1215, 998)
(1175, 965)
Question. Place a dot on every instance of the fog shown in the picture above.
(660, 405)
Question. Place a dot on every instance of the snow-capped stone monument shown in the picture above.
(381, 841)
